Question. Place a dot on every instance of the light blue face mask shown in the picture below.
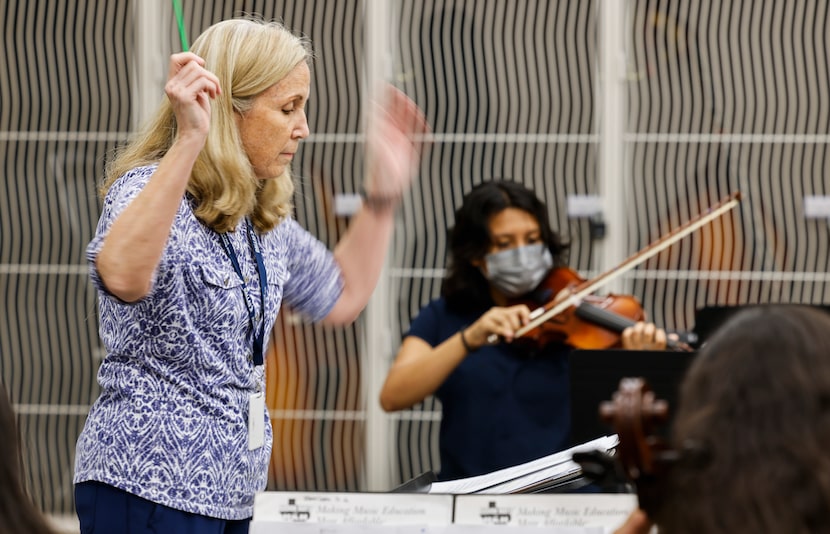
(517, 271)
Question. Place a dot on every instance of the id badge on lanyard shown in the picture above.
(256, 420)
(256, 401)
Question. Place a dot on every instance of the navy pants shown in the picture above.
(103, 509)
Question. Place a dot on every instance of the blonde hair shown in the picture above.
(248, 56)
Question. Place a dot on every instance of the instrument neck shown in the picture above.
(680, 341)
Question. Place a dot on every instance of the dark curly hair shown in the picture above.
(465, 288)
(757, 398)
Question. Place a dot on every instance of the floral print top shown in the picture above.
(170, 424)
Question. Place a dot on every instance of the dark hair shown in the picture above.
(757, 398)
(17, 511)
(465, 288)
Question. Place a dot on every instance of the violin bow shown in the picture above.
(545, 313)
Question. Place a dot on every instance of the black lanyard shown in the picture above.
(259, 334)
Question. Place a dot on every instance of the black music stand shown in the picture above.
(709, 318)
(596, 375)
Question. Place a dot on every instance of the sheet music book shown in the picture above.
(536, 475)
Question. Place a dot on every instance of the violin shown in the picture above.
(642, 457)
(596, 322)
(645, 458)
(572, 309)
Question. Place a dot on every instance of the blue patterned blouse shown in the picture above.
(170, 424)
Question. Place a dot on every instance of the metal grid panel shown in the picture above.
(721, 96)
(508, 89)
(64, 104)
(727, 96)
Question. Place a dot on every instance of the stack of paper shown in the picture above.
(534, 476)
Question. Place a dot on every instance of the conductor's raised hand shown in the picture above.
(190, 87)
(395, 138)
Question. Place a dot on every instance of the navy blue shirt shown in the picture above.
(503, 405)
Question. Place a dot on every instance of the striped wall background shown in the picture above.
(720, 96)
(64, 102)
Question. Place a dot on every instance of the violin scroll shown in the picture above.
(645, 458)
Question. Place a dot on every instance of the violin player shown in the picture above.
(504, 402)
(751, 432)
